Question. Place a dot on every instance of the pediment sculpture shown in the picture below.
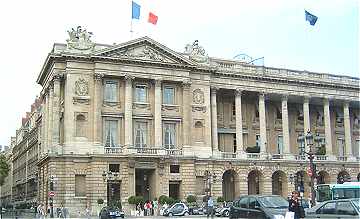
(197, 53)
(79, 39)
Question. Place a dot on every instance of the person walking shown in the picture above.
(295, 205)
(210, 205)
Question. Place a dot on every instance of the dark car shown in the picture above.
(341, 208)
(259, 206)
(177, 209)
(111, 212)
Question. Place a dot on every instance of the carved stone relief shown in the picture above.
(81, 87)
(198, 96)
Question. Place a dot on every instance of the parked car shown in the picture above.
(259, 206)
(177, 209)
(196, 210)
(341, 208)
(111, 212)
(223, 211)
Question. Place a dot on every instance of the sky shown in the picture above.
(273, 29)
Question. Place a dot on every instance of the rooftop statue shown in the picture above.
(197, 53)
(79, 39)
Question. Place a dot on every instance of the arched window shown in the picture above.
(80, 125)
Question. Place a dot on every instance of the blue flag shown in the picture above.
(310, 17)
(135, 10)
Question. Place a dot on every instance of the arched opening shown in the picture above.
(323, 177)
(302, 183)
(80, 125)
(279, 183)
(254, 182)
(228, 185)
(343, 176)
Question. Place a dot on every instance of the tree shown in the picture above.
(4, 169)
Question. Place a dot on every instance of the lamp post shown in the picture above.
(209, 179)
(109, 176)
(311, 156)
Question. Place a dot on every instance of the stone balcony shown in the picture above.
(151, 151)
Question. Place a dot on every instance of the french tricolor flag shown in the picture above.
(136, 14)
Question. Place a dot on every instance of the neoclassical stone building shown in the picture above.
(138, 118)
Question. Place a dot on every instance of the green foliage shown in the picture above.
(100, 201)
(4, 169)
(253, 149)
(134, 200)
(171, 200)
(163, 199)
(321, 150)
(190, 199)
(220, 199)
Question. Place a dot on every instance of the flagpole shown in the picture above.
(131, 23)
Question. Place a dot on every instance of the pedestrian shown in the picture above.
(295, 205)
(210, 206)
(156, 207)
(87, 212)
(145, 209)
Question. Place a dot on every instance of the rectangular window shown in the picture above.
(169, 135)
(280, 145)
(110, 91)
(257, 140)
(174, 168)
(169, 95)
(233, 109)
(111, 133)
(114, 168)
(200, 185)
(141, 93)
(340, 144)
(80, 186)
(140, 134)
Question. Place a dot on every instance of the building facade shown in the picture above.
(138, 118)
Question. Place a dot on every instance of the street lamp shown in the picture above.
(311, 156)
(209, 179)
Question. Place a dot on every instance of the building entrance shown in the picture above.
(113, 193)
(174, 189)
(145, 183)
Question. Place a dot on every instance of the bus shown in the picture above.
(326, 192)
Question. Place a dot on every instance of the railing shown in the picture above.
(174, 152)
(321, 157)
(144, 150)
(252, 155)
(228, 155)
(342, 158)
(277, 156)
(300, 157)
(113, 150)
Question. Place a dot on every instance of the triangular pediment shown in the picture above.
(144, 49)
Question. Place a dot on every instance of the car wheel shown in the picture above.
(226, 213)
(170, 214)
(186, 213)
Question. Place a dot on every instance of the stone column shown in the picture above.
(186, 122)
(347, 129)
(157, 118)
(214, 129)
(128, 111)
(56, 113)
(50, 118)
(285, 124)
(97, 122)
(327, 121)
(239, 126)
(306, 112)
(262, 115)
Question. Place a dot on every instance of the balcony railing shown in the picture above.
(252, 155)
(300, 157)
(144, 150)
(321, 157)
(342, 158)
(174, 152)
(113, 150)
(277, 156)
(228, 155)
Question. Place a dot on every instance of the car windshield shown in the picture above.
(357, 203)
(274, 202)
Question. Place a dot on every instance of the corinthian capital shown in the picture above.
(238, 91)
(58, 76)
(98, 76)
(214, 89)
(129, 77)
(186, 84)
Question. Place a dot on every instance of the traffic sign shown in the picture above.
(51, 194)
(309, 171)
